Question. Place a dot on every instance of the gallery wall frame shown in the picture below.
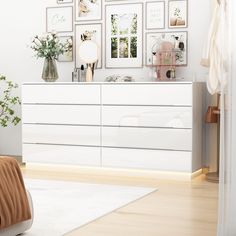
(177, 14)
(119, 0)
(64, 1)
(124, 46)
(158, 37)
(86, 10)
(155, 15)
(59, 19)
(96, 36)
(68, 56)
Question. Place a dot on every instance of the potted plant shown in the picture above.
(49, 47)
(8, 102)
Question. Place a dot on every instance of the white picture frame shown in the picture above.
(124, 37)
(119, 0)
(95, 30)
(67, 56)
(88, 10)
(64, 1)
(154, 39)
(177, 14)
(59, 19)
(155, 15)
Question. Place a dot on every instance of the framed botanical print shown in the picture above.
(155, 15)
(177, 39)
(64, 1)
(87, 10)
(124, 35)
(178, 14)
(88, 32)
(59, 19)
(67, 56)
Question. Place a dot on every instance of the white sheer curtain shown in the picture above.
(227, 189)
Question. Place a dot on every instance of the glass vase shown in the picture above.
(49, 70)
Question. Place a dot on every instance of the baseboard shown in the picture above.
(197, 173)
(104, 171)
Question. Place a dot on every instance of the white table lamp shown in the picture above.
(89, 53)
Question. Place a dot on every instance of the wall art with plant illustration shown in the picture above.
(178, 14)
(124, 35)
(86, 10)
(88, 32)
(178, 39)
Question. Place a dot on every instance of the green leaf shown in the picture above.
(8, 103)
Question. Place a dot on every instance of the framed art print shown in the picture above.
(124, 35)
(88, 32)
(118, 0)
(64, 1)
(178, 14)
(87, 10)
(59, 19)
(67, 56)
(155, 15)
(177, 39)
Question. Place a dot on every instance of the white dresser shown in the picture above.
(152, 126)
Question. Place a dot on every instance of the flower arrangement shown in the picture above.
(8, 103)
(87, 35)
(49, 46)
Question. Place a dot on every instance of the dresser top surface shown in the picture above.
(108, 83)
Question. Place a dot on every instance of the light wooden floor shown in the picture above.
(178, 208)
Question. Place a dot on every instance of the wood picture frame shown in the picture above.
(67, 56)
(177, 14)
(155, 15)
(59, 19)
(124, 35)
(64, 1)
(87, 10)
(154, 39)
(95, 31)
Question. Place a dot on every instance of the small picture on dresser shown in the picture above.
(178, 14)
(176, 40)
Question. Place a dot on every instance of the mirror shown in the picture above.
(89, 53)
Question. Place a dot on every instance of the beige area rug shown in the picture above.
(60, 207)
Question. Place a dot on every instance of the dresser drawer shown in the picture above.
(59, 154)
(62, 94)
(152, 138)
(61, 114)
(147, 94)
(147, 116)
(147, 159)
(61, 134)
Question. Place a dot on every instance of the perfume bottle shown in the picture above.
(82, 74)
(75, 75)
(172, 73)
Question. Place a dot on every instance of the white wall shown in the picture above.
(21, 20)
